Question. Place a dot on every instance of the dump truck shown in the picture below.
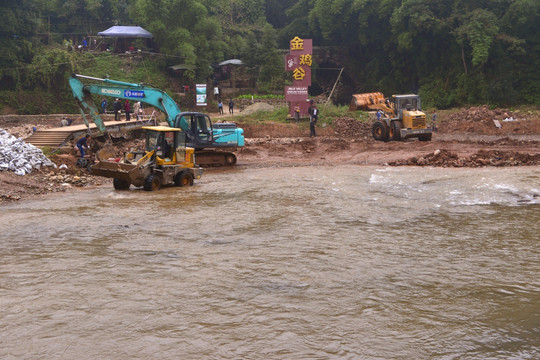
(403, 118)
(165, 160)
(214, 143)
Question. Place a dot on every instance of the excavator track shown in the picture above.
(207, 158)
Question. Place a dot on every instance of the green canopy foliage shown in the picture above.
(450, 51)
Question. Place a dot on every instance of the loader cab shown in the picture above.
(406, 103)
(168, 143)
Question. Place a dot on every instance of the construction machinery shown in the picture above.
(402, 118)
(214, 143)
(165, 160)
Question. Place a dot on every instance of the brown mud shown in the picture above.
(467, 138)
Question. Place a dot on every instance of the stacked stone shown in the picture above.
(20, 157)
(351, 127)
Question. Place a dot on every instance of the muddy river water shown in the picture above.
(346, 262)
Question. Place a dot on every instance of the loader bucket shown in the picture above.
(363, 101)
(111, 169)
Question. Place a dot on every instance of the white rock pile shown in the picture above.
(20, 157)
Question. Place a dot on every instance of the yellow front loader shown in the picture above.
(165, 160)
(402, 119)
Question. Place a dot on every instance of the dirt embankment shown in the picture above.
(468, 138)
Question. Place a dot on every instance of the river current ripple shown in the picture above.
(345, 262)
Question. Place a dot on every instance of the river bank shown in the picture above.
(466, 139)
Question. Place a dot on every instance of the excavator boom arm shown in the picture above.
(122, 90)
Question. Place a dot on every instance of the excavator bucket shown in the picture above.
(364, 101)
(107, 151)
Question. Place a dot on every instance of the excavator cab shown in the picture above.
(200, 130)
(204, 127)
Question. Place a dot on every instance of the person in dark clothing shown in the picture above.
(127, 109)
(313, 122)
(83, 143)
(231, 107)
(310, 110)
(117, 106)
(104, 106)
(220, 107)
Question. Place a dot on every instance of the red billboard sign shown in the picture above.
(296, 93)
(298, 62)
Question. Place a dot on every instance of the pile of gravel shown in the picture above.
(260, 106)
(20, 157)
(351, 127)
(481, 114)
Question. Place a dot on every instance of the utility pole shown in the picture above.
(332, 92)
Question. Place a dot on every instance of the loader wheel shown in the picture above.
(120, 184)
(183, 178)
(380, 131)
(152, 183)
(230, 159)
(395, 131)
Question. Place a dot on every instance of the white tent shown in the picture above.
(231, 62)
(126, 32)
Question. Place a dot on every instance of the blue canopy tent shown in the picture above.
(124, 33)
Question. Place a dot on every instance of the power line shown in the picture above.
(82, 61)
(54, 64)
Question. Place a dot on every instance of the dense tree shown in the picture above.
(451, 52)
(17, 29)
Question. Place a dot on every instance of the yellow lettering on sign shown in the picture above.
(297, 43)
(305, 59)
(299, 73)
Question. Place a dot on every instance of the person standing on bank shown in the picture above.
(313, 121)
(83, 143)
(434, 121)
(297, 113)
(231, 107)
(220, 107)
(117, 106)
(127, 109)
(104, 106)
(136, 108)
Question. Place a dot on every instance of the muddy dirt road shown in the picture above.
(464, 139)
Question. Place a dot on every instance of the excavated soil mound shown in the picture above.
(446, 158)
(350, 127)
(257, 107)
(480, 120)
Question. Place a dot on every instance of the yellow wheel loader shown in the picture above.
(165, 160)
(402, 118)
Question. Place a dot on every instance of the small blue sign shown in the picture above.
(133, 93)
